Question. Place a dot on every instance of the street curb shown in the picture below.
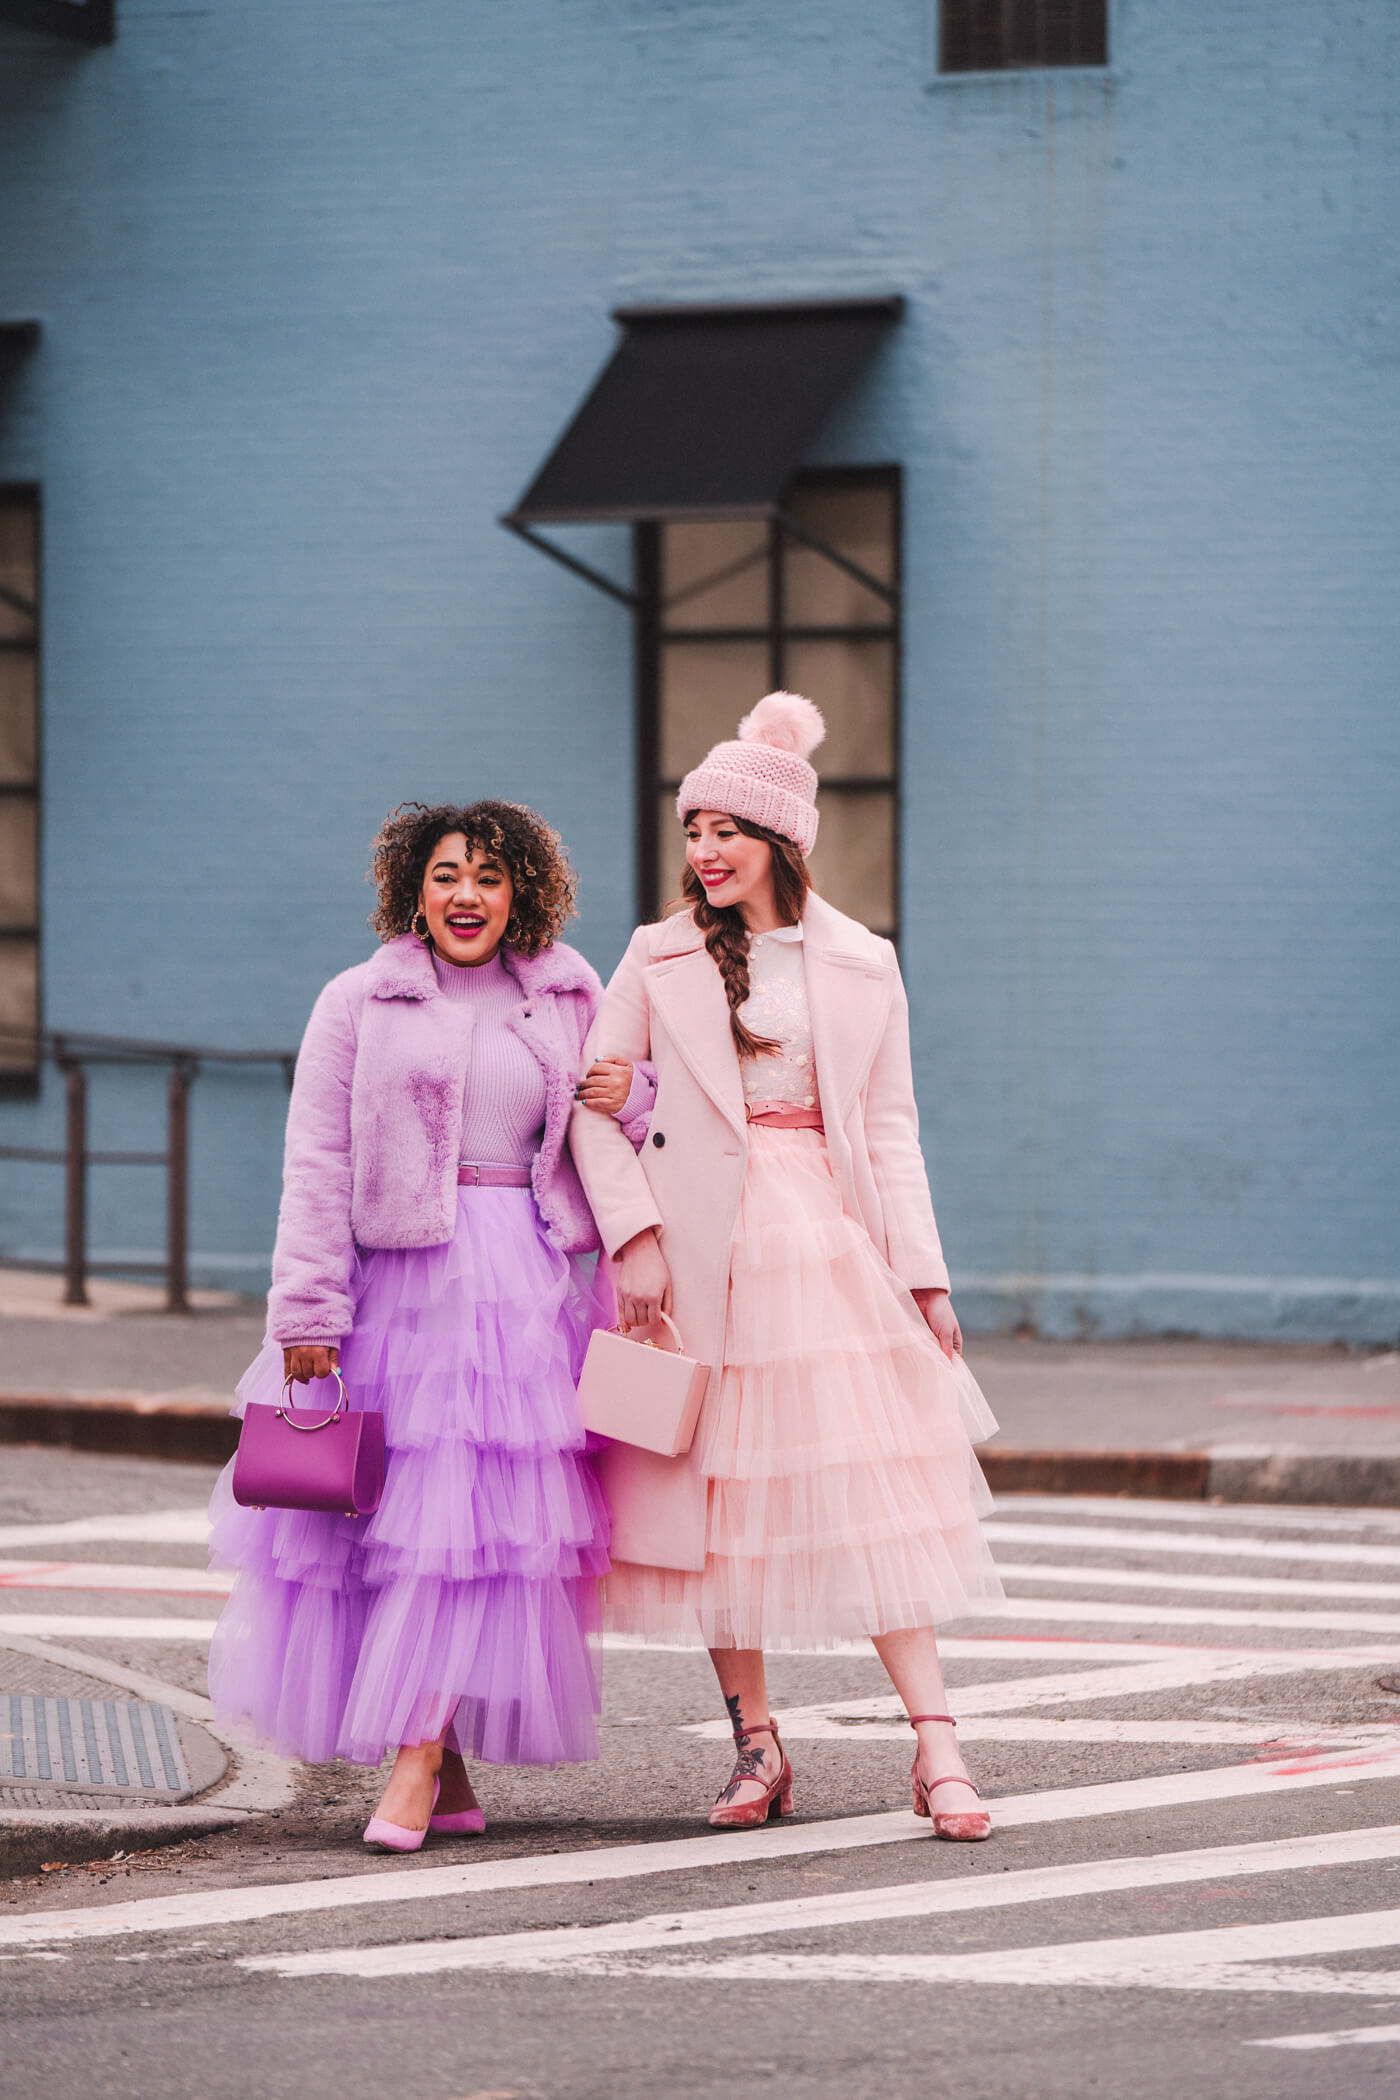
(132, 1424)
(1229, 1473)
(125, 1423)
(30, 1837)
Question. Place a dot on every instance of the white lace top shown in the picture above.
(777, 1007)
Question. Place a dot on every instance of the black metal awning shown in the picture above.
(701, 412)
(81, 21)
(17, 339)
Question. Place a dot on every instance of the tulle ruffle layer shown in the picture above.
(470, 1597)
(844, 1495)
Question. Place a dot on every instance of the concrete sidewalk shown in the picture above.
(1245, 1422)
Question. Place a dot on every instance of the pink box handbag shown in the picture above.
(295, 1458)
(638, 1393)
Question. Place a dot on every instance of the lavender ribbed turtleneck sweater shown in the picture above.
(503, 1121)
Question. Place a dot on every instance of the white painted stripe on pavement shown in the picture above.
(1249, 1958)
(114, 1575)
(163, 1527)
(1213, 1585)
(1092, 1611)
(1120, 1539)
(573, 1947)
(1258, 1516)
(1337, 2038)
(833, 1725)
(625, 1862)
(79, 1626)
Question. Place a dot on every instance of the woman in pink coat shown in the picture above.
(432, 1246)
(781, 1212)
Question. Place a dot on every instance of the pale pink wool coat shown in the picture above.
(375, 1123)
(666, 1002)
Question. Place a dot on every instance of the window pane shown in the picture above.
(705, 688)
(853, 864)
(18, 568)
(853, 685)
(979, 36)
(19, 897)
(19, 1002)
(715, 575)
(18, 753)
(858, 520)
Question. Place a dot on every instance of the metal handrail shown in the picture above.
(72, 1051)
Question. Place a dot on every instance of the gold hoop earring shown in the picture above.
(418, 925)
(513, 931)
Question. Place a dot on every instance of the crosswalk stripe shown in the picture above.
(80, 1626)
(160, 1527)
(1004, 1532)
(1227, 1516)
(578, 1947)
(1094, 1611)
(1242, 1958)
(1338, 2038)
(835, 1724)
(1268, 1780)
(1212, 1585)
(116, 1575)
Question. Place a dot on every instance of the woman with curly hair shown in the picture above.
(431, 1247)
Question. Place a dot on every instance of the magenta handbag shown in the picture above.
(637, 1393)
(298, 1458)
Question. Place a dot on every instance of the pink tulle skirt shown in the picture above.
(469, 1600)
(844, 1495)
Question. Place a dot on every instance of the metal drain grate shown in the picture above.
(124, 1743)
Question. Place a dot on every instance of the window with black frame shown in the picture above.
(19, 784)
(997, 36)
(744, 606)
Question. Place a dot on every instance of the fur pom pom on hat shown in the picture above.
(764, 774)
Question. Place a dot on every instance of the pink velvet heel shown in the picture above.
(392, 1837)
(463, 1822)
(775, 1800)
(970, 1827)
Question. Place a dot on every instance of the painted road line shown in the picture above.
(1241, 1958)
(1270, 1780)
(835, 1724)
(1257, 1516)
(116, 1575)
(1118, 1538)
(160, 1527)
(1090, 1611)
(1213, 1585)
(574, 1947)
(1338, 2038)
(77, 1626)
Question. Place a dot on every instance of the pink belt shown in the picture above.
(493, 1177)
(785, 1118)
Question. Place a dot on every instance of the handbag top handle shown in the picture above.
(669, 1322)
(286, 1414)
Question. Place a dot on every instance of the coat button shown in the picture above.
(658, 1138)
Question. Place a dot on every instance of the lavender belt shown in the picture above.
(493, 1177)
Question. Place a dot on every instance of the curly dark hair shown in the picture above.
(529, 849)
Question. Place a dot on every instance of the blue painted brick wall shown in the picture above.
(319, 284)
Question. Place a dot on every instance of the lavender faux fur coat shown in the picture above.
(375, 1123)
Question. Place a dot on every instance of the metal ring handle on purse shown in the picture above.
(675, 1334)
(305, 1428)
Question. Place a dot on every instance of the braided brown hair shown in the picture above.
(727, 936)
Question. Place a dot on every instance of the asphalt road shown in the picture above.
(1194, 1886)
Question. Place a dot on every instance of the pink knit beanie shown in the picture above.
(764, 776)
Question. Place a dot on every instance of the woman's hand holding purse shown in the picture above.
(642, 1282)
(304, 1361)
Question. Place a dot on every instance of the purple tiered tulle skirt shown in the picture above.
(470, 1599)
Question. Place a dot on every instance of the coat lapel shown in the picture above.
(848, 996)
(687, 995)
